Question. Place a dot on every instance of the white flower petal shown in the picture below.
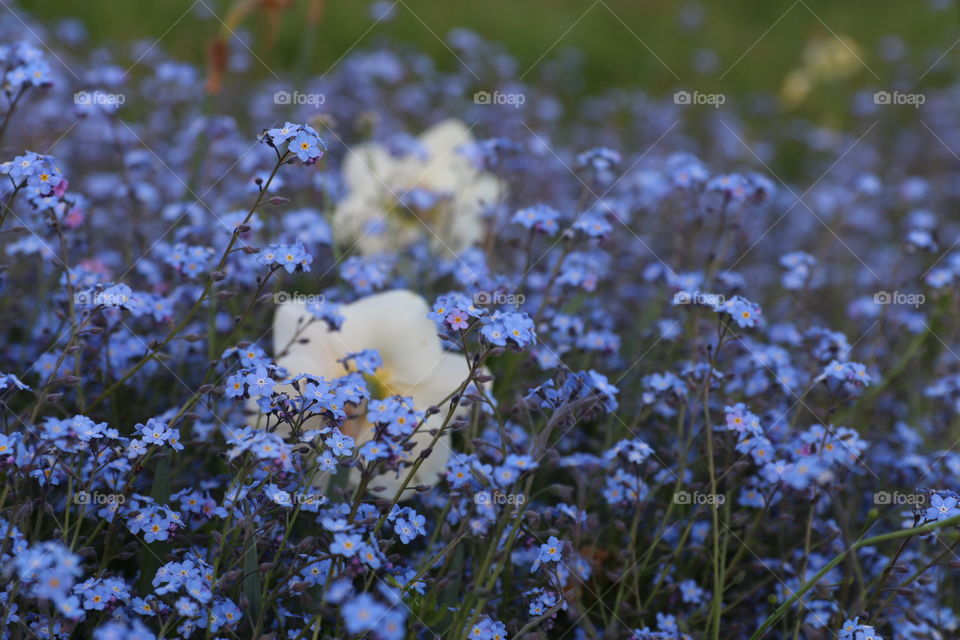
(375, 180)
(395, 323)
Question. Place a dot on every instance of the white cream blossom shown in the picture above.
(394, 323)
(435, 192)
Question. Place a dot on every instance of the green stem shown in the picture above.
(203, 295)
(809, 584)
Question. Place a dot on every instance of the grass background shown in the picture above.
(608, 32)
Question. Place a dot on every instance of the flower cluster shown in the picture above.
(300, 140)
(469, 371)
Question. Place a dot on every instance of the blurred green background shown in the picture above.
(608, 32)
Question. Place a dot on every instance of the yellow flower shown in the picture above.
(825, 60)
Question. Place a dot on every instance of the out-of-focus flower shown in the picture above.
(434, 193)
(825, 59)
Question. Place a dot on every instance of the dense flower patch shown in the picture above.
(413, 364)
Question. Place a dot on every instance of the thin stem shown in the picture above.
(203, 296)
(809, 584)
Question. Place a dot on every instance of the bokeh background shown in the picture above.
(738, 47)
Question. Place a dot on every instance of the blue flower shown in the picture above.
(292, 257)
(366, 275)
(340, 444)
(284, 133)
(362, 613)
(346, 544)
(942, 508)
(373, 450)
(154, 432)
(551, 551)
(501, 327)
(392, 625)
(593, 224)
(366, 361)
(540, 217)
(745, 313)
(690, 592)
(259, 382)
(236, 385)
(157, 528)
(404, 530)
(8, 380)
(307, 147)
(328, 312)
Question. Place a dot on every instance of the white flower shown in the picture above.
(395, 323)
(380, 210)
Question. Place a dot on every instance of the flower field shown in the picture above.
(400, 349)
